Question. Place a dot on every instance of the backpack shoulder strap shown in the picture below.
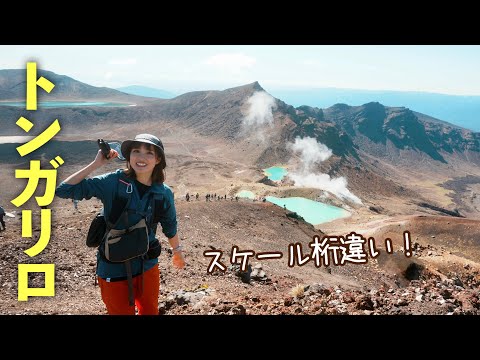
(122, 191)
(122, 199)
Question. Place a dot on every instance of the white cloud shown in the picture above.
(231, 61)
(123, 61)
(108, 75)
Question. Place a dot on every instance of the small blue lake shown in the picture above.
(57, 104)
(313, 212)
(275, 173)
(246, 194)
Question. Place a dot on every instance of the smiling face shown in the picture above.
(143, 159)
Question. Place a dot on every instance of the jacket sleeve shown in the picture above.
(168, 218)
(98, 186)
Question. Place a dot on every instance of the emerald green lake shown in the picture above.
(246, 194)
(313, 212)
(275, 173)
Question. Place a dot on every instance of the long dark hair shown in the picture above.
(158, 174)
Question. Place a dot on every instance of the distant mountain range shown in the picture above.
(371, 143)
(372, 128)
(13, 88)
(147, 91)
(463, 111)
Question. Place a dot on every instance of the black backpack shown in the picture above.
(100, 226)
(121, 246)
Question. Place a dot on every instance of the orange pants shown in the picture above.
(115, 294)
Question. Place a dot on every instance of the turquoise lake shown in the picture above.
(275, 173)
(246, 194)
(57, 104)
(313, 212)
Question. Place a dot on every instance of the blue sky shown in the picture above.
(180, 68)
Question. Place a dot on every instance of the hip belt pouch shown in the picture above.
(123, 245)
(97, 231)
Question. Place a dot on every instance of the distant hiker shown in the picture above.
(196, 196)
(2, 214)
(225, 196)
(284, 207)
(75, 204)
(136, 199)
(187, 197)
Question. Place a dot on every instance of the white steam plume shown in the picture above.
(260, 111)
(311, 152)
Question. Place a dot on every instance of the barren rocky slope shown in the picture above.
(13, 88)
(437, 280)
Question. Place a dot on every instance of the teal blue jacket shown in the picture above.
(104, 187)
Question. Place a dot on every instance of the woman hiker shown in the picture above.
(133, 198)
